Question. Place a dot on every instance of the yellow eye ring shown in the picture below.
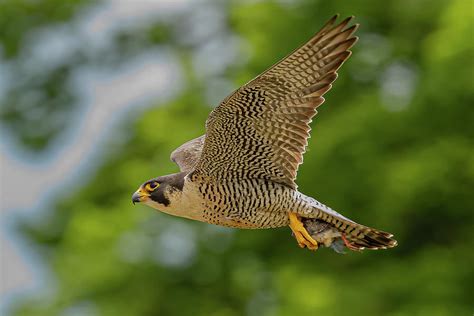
(151, 186)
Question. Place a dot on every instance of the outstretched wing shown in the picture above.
(187, 155)
(261, 129)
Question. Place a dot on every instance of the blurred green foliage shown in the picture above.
(400, 159)
(41, 100)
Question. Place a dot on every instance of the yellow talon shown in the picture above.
(302, 236)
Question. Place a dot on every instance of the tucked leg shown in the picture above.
(302, 236)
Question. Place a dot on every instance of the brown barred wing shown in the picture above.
(261, 130)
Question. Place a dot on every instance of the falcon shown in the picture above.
(242, 172)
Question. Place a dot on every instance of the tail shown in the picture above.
(357, 236)
(368, 238)
(354, 235)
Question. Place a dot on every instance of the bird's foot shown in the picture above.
(302, 236)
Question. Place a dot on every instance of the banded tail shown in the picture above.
(357, 236)
(354, 235)
(370, 238)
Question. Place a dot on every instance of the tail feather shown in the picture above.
(372, 239)
(354, 235)
(363, 237)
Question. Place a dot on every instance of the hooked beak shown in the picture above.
(138, 196)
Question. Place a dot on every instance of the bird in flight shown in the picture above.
(242, 172)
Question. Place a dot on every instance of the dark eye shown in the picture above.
(151, 185)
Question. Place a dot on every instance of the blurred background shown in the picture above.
(95, 95)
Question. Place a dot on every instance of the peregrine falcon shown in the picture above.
(242, 172)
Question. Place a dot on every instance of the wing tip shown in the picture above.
(337, 15)
(328, 25)
(333, 18)
(352, 29)
(345, 22)
(348, 19)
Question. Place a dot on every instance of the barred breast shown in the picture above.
(245, 203)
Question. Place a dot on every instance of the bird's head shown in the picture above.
(158, 192)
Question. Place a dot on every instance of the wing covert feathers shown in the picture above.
(262, 129)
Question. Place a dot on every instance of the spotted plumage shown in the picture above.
(242, 172)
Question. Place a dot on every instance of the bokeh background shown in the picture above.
(96, 94)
